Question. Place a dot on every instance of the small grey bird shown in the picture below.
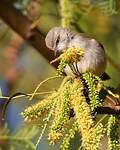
(94, 60)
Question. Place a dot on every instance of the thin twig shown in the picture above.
(38, 93)
(41, 83)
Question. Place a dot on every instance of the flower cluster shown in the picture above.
(66, 13)
(34, 112)
(70, 135)
(69, 56)
(112, 132)
(94, 84)
(69, 96)
(90, 135)
(61, 116)
(71, 112)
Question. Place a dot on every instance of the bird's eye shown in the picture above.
(58, 39)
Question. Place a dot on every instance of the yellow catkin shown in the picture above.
(61, 116)
(113, 132)
(35, 111)
(70, 55)
(90, 135)
(66, 13)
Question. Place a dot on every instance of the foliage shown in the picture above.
(69, 109)
(22, 138)
(20, 4)
(73, 10)
(109, 7)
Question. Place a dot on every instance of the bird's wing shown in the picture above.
(105, 76)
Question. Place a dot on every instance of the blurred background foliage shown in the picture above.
(98, 18)
(23, 68)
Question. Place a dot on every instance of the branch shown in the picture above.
(109, 110)
(22, 25)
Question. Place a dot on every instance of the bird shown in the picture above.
(94, 60)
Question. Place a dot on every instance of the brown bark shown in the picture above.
(22, 25)
(109, 110)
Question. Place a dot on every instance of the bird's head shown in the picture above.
(57, 39)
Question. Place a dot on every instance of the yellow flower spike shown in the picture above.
(34, 112)
(94, 84)
(46, 120)
(90, 136)
(54, 137)
(70, 55)
(112, 133)
(70, 135)
(61, 117)
(66, 13)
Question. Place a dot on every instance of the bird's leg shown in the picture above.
(77, 70)
(72, 67)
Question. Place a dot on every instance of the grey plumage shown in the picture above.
(94, 59)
